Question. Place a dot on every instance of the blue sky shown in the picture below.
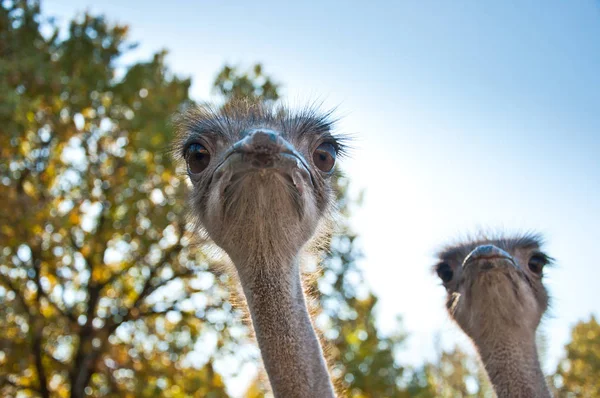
(468, 114)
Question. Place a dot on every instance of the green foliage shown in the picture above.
(578, 375)
(100, 292)
(454, 374)
(362, 361)
(232, 84)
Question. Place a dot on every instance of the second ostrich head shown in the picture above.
(496, 296)
(495, 283)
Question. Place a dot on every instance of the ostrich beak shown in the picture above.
(265, 150)
(490, 255)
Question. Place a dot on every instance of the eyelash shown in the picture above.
(192, 141)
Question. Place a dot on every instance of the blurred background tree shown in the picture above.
(578, 374)
(102, 290)
(233, 85)
(101, 293)
(452, 374)
(362, 360)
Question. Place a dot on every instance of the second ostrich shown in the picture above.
(496, 296)
(262, 190)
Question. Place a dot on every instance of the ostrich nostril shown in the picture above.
(261, 141)
(264, 138)
(486, 251)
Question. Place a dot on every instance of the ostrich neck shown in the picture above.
(288, 343)
(513, 367)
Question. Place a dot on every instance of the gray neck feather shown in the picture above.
(513, 367)
(288, 343)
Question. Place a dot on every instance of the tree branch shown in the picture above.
(41, 293)
(148, 288)
(7, 282)
(39, 365)
(65, 313)
(122, 272)
(38, 329)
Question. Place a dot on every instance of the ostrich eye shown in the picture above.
(197, 158)
(324, 157)
(537, 262)
(444, 272)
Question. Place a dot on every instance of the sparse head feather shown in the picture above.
(459, 249)
(196, 119)
(500, 289)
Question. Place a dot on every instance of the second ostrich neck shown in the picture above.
(289, 345)
(513, 366)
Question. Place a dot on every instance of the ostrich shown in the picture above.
(496, 296)
(261, 179)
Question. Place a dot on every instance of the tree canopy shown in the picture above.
(578, 374)
(101, 293)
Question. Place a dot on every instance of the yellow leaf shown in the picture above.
(28, 188)
(74, 218)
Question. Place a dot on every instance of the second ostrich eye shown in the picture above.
(197, 158)
(445, 272)
(324, 157)
(537, 262)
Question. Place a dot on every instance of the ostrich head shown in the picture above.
(495, 286)
(261, 176)
(261, 188)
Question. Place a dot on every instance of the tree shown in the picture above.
(100, 291)
(453, 374)
(362, 360)
(233, 85)
(579, 372)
